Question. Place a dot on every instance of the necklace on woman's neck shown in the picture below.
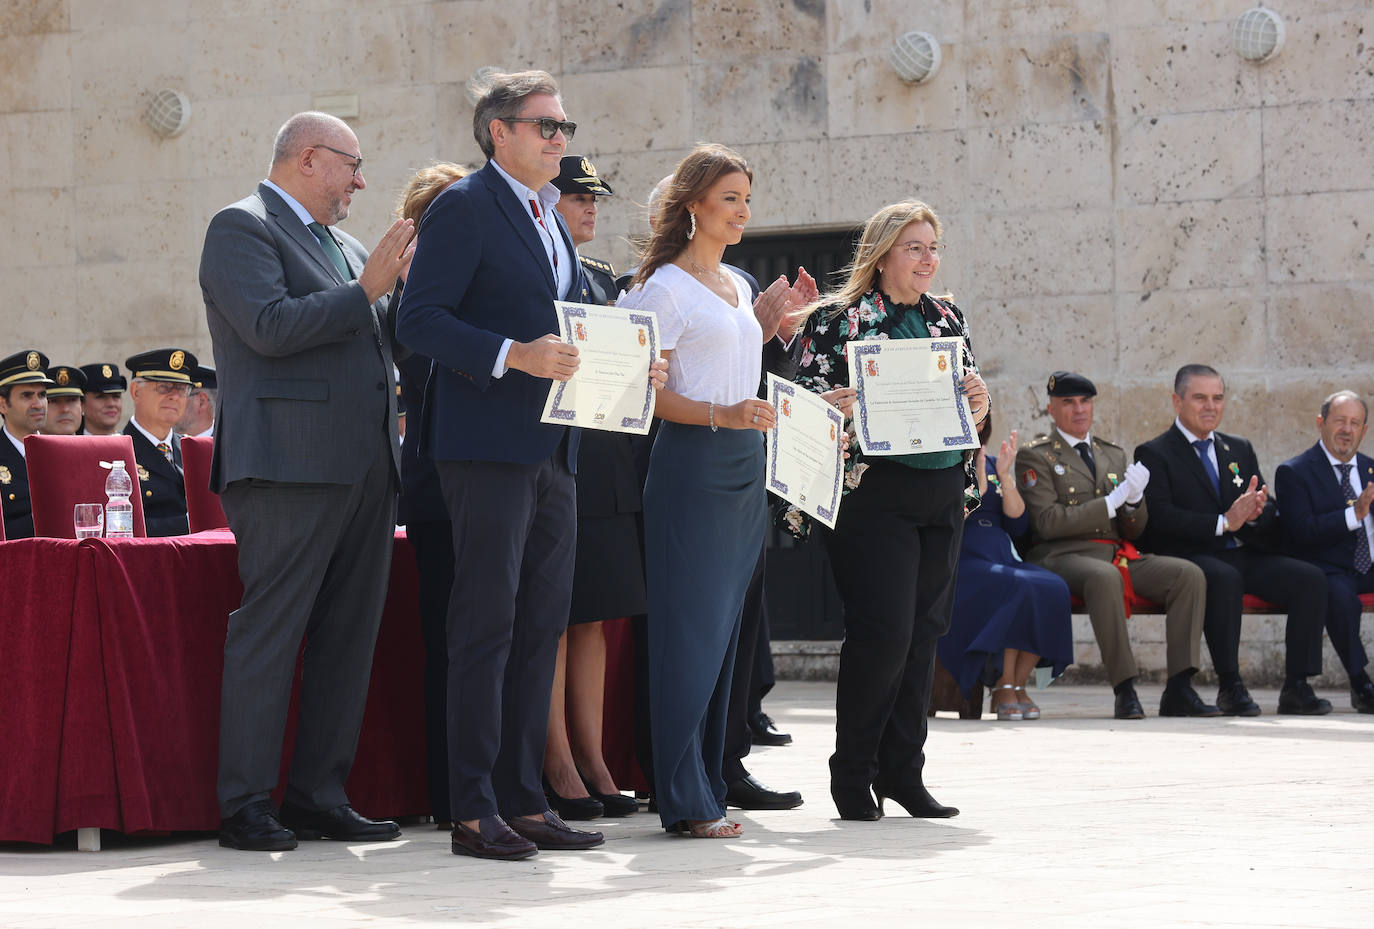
(703, 271)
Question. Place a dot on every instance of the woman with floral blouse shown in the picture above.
(895, 546)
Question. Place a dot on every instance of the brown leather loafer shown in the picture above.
(554, 834)
(492, 839)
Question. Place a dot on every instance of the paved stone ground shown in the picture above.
(1071, 821)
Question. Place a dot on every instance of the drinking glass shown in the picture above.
(89, 519)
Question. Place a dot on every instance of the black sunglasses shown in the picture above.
(548, 126)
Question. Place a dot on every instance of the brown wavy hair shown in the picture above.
(694, 176)
(425, 185)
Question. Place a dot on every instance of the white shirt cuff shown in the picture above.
(500, 367)
(1351, 522)
(1221, 525)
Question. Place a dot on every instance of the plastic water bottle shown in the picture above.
(119, 512)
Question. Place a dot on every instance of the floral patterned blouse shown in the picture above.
(823, 367)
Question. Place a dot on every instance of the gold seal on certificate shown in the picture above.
(611, 388)
(909, 401)
(805, 464)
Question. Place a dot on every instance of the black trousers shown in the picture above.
(514, 537)
(1343, 616)
(894, 554)
(1288, 583)
(738, 738)
(433, 545)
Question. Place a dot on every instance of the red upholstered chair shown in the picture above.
(65, 470)
(202, 504)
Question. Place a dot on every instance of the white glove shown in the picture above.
(1117, 498)
(1137, 476)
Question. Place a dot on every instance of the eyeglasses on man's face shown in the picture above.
(548, 126)
(357, 159)
(167, 389)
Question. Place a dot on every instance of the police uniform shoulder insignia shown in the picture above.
(599, 265)
(5, 476)
(143, 474)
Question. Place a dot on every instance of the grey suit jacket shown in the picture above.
(306, 385)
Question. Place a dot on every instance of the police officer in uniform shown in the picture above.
(104, 403)
(65, 397)
(162, 381)
(24, 384)
(580, 185)
(1087, 506)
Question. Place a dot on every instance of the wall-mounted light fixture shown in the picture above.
(915, 56)
(168, 113)
(1258, 34)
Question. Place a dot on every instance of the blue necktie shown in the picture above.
(1362, 558)
(1202, 445)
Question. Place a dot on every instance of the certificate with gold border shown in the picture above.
(611, 389)
(909, 401)
(805, 464)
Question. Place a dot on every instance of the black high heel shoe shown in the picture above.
(616, 804)
(573, 808)
(916, 800)
(856, 803)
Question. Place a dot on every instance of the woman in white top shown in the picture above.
(704, 507)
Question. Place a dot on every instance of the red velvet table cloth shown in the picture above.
(113, 651)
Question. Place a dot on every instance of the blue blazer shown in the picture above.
(1312, 509)
(481, 276)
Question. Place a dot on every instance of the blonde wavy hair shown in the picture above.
(426, 184)
(880, 233)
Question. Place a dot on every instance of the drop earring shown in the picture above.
(692, 229)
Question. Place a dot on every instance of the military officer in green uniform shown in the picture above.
(580, 186)
(65, 397)
(24, 384)
(1086, 505)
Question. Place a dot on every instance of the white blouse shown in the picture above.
(717, 348)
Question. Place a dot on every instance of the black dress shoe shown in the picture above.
(491, 839)
(1235, 700)
(1362, 697)
(574, 808)
(915, 799)
(256, 828)
(554, 834)
(1128, 704)
(855, 803)
(343, 823)
(616, 804)
(1183, 700)
(1299, 699)
(748, 793)
(763, 731)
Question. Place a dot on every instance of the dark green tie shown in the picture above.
(331, 248)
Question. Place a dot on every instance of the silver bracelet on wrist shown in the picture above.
(711, 415)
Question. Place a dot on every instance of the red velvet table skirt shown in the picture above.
(113, 651)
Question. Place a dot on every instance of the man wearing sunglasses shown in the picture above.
(493, 256)
(307, 464)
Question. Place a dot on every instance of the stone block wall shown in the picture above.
(1121, 192)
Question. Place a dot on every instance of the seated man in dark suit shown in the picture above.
(1209, 504)
(24, 384)
(1324, 497)
(161, 383)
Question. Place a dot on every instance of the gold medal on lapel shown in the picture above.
(143, 473)
(5, 476)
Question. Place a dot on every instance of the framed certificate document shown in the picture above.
(909, 402)
(805, 464)
(611, 388)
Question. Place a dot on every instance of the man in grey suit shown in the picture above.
(306, 462)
